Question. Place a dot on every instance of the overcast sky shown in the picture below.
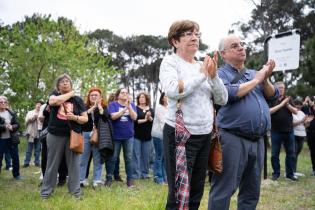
(128, 17)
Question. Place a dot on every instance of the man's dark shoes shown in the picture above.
(26, 165)
(18, 178)
(130, 184)
(61, 183)
(292, 178)
(108, 183)
(274, 177)
(118, 179)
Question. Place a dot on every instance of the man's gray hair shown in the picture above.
(221, 44)
(4, 98)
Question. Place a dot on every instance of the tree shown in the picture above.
(35, 51)
(271, 17)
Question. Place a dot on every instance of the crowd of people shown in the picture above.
(173, 138)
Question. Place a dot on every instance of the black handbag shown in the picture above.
(43, 134)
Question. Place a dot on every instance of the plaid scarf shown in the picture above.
(182, 179)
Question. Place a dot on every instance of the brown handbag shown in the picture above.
(76, 139)
(215, 155)
(76, 142)
(94, 135)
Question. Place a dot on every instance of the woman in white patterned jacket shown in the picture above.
(195, 84)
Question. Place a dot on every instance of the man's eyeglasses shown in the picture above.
(236, 46)
(190, 34)
(3, 102)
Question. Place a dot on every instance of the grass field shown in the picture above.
(24, 194)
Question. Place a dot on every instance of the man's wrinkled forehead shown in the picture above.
(232, 39)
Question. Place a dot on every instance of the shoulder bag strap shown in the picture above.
(238, 76)
(64, 107)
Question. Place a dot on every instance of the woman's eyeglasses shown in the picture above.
(190, 34)
(65, 81)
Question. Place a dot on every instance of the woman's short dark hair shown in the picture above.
(118, 92)
(178, 28)
(161, 101)
(147, 98)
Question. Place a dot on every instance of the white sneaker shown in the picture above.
(84, 183)
(41, 177)
(299, 174)
(97, 182)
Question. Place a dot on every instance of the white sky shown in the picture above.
(128, 17)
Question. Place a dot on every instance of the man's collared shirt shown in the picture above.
(249, 114)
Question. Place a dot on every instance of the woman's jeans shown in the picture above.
(127, 145)
(287, 138)
(6, 145)
(159, 164)
(141, 158)
(84, 159)
(28, 155)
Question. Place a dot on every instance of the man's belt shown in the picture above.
(253, 138)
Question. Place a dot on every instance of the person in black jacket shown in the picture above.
(8, 135)
(97, 111)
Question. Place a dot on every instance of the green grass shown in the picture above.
(24, 195)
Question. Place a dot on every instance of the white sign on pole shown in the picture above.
(285, 51)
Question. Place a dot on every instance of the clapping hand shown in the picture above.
(71, 116)
(286, 101)
(309, 118)
(9, 127)
(264, 73)
(210, 65)
(99, 105)
(148, 116)
(269, 66)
